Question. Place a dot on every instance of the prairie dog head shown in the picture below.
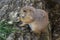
(26, 14)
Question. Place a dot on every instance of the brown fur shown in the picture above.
(36, 18)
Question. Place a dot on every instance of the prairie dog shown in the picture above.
(36, 18)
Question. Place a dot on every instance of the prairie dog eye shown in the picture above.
(24, 11)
